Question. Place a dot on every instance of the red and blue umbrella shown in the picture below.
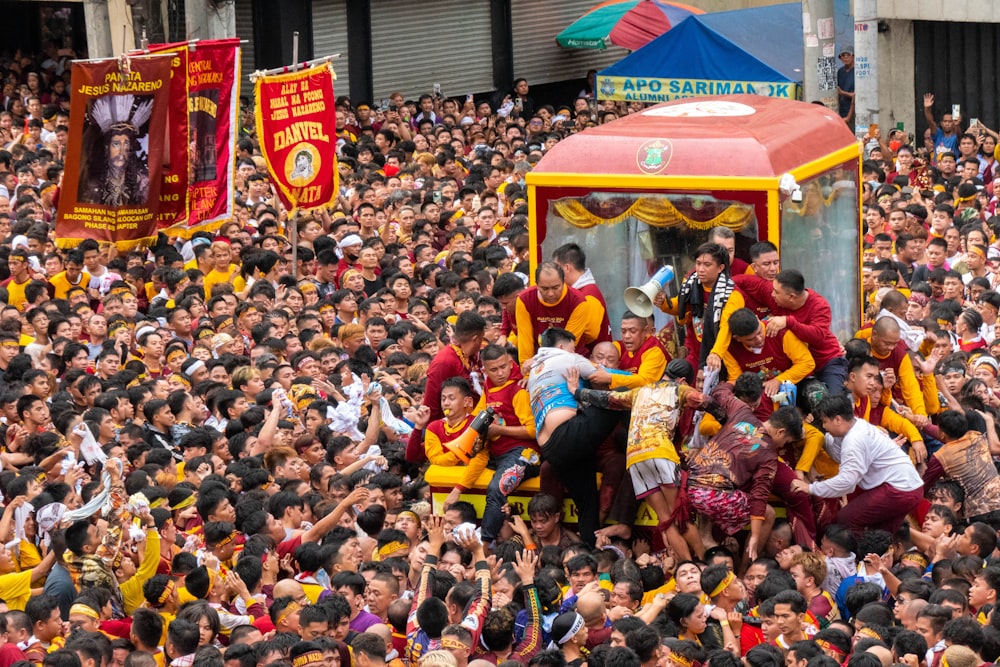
(630, 24)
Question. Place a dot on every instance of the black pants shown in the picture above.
(572, 454)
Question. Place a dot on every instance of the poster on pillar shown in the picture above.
(296, 123)
(118, 113)
(200, 185)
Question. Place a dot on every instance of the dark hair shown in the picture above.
(766, 655)
(833, 406)
(791, 280)
(184, 635)
(793, 599)
(681, 606)
(554, 335)
(965, 631)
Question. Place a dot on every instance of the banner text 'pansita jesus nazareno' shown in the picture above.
(296, 124)
(111, 188)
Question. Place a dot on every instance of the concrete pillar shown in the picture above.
(95, 14)
(895, 78)
(819, 73)
(205, 20)
(866, 84)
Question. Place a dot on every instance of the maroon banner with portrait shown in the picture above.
(296, 126)
(207, 129)
(174, 189)
(118, 113)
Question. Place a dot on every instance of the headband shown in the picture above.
(181, 380)
(324, 307)
(953, 368)
(10, 343)
(195, 367)
(349, 273)
(310, 658)
(184, 504)
(393, 547)
(122, 290)
(84, 610)
(175, 354)
(302, 362)
(228, 322)
(868, 632)
(723, 585)
(961, 200)
(451, 642)
(823, 644)
(915, 557)
(987, 360)
(119, 324)
(226, 540)
(287, 611)
(167, 591)
(573, 629)
(49, 186)
(409, 513)
(681, 660)
(614, 549)
(307, 287)
(143, 330)
(977, 251)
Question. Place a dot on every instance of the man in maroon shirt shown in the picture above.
(459, 359)
(574, 264)
(350, 248)
(807, 315)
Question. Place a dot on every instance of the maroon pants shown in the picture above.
(883, 508)
(798, 504)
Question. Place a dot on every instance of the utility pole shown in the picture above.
(819, 72)
(866, 102)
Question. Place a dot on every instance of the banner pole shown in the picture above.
(293, 233)
(296, 67)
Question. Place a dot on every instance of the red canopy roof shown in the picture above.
(729, 135)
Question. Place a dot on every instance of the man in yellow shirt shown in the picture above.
(73, 276)
(777, 359)
(20, 276)
(15, 587)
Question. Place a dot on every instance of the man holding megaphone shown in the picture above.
(707, 298)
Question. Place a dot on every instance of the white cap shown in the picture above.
(349, 240)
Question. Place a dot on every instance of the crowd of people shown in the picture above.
(217, 451)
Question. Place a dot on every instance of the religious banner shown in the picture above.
(118, 113)
(199, 187)
(296, 124)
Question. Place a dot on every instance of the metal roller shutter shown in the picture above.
(537, 57)
(244, 30)
(329, 20)
(418, 44)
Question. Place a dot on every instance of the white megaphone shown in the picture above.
(639, 300)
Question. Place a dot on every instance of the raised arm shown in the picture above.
(929, 112)
(330, 521)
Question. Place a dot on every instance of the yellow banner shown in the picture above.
(635, 89)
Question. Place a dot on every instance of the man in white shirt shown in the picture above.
(870, 462)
